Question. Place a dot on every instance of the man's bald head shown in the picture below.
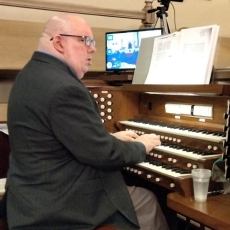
(61, 23)
(64, 36)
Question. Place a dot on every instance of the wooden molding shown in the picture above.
(76, 8)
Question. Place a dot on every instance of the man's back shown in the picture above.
(51, 184)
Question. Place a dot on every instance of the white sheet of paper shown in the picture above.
(2, 186)
(184, 57)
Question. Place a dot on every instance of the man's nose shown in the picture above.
(93, 48)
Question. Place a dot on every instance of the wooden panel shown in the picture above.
(222, 57)
(206, 90)
(158, 102)
(214, 213)
(3, 112)
(19, 40)
(79, 9)
(114, 105)
(5, 87)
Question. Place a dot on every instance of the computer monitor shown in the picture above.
(122, 48)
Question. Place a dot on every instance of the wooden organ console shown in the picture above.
(189, 119)
(192, 122)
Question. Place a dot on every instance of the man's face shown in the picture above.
(77, 54)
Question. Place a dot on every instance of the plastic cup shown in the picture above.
(201, 178)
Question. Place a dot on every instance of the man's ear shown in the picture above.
(58, 44)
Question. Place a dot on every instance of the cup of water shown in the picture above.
(201, 178)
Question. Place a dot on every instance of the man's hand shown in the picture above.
(149, 140)
(125, 135)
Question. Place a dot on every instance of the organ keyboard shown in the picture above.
(192, 133)
(189, 140)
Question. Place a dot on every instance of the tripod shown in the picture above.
(160, 12)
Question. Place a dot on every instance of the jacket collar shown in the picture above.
(53, 60)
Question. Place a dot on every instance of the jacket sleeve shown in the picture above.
(77, 124)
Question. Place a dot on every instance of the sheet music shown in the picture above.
(184, 57)
(2, 186)
(4, 128)
(163, 60)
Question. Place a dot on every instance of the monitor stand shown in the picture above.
(117, 76)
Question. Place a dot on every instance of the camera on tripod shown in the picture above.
(170, 1)
(165, 3)
(160, 13)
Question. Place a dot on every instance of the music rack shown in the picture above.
(209, 89)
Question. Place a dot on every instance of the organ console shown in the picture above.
(192, 122)
(189, 120)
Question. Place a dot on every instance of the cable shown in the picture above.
(187, 227)
(174, 16)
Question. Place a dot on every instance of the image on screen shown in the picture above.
(122, 48)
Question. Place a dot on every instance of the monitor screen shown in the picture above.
(122, 48)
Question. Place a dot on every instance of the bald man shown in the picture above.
(64, 166)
